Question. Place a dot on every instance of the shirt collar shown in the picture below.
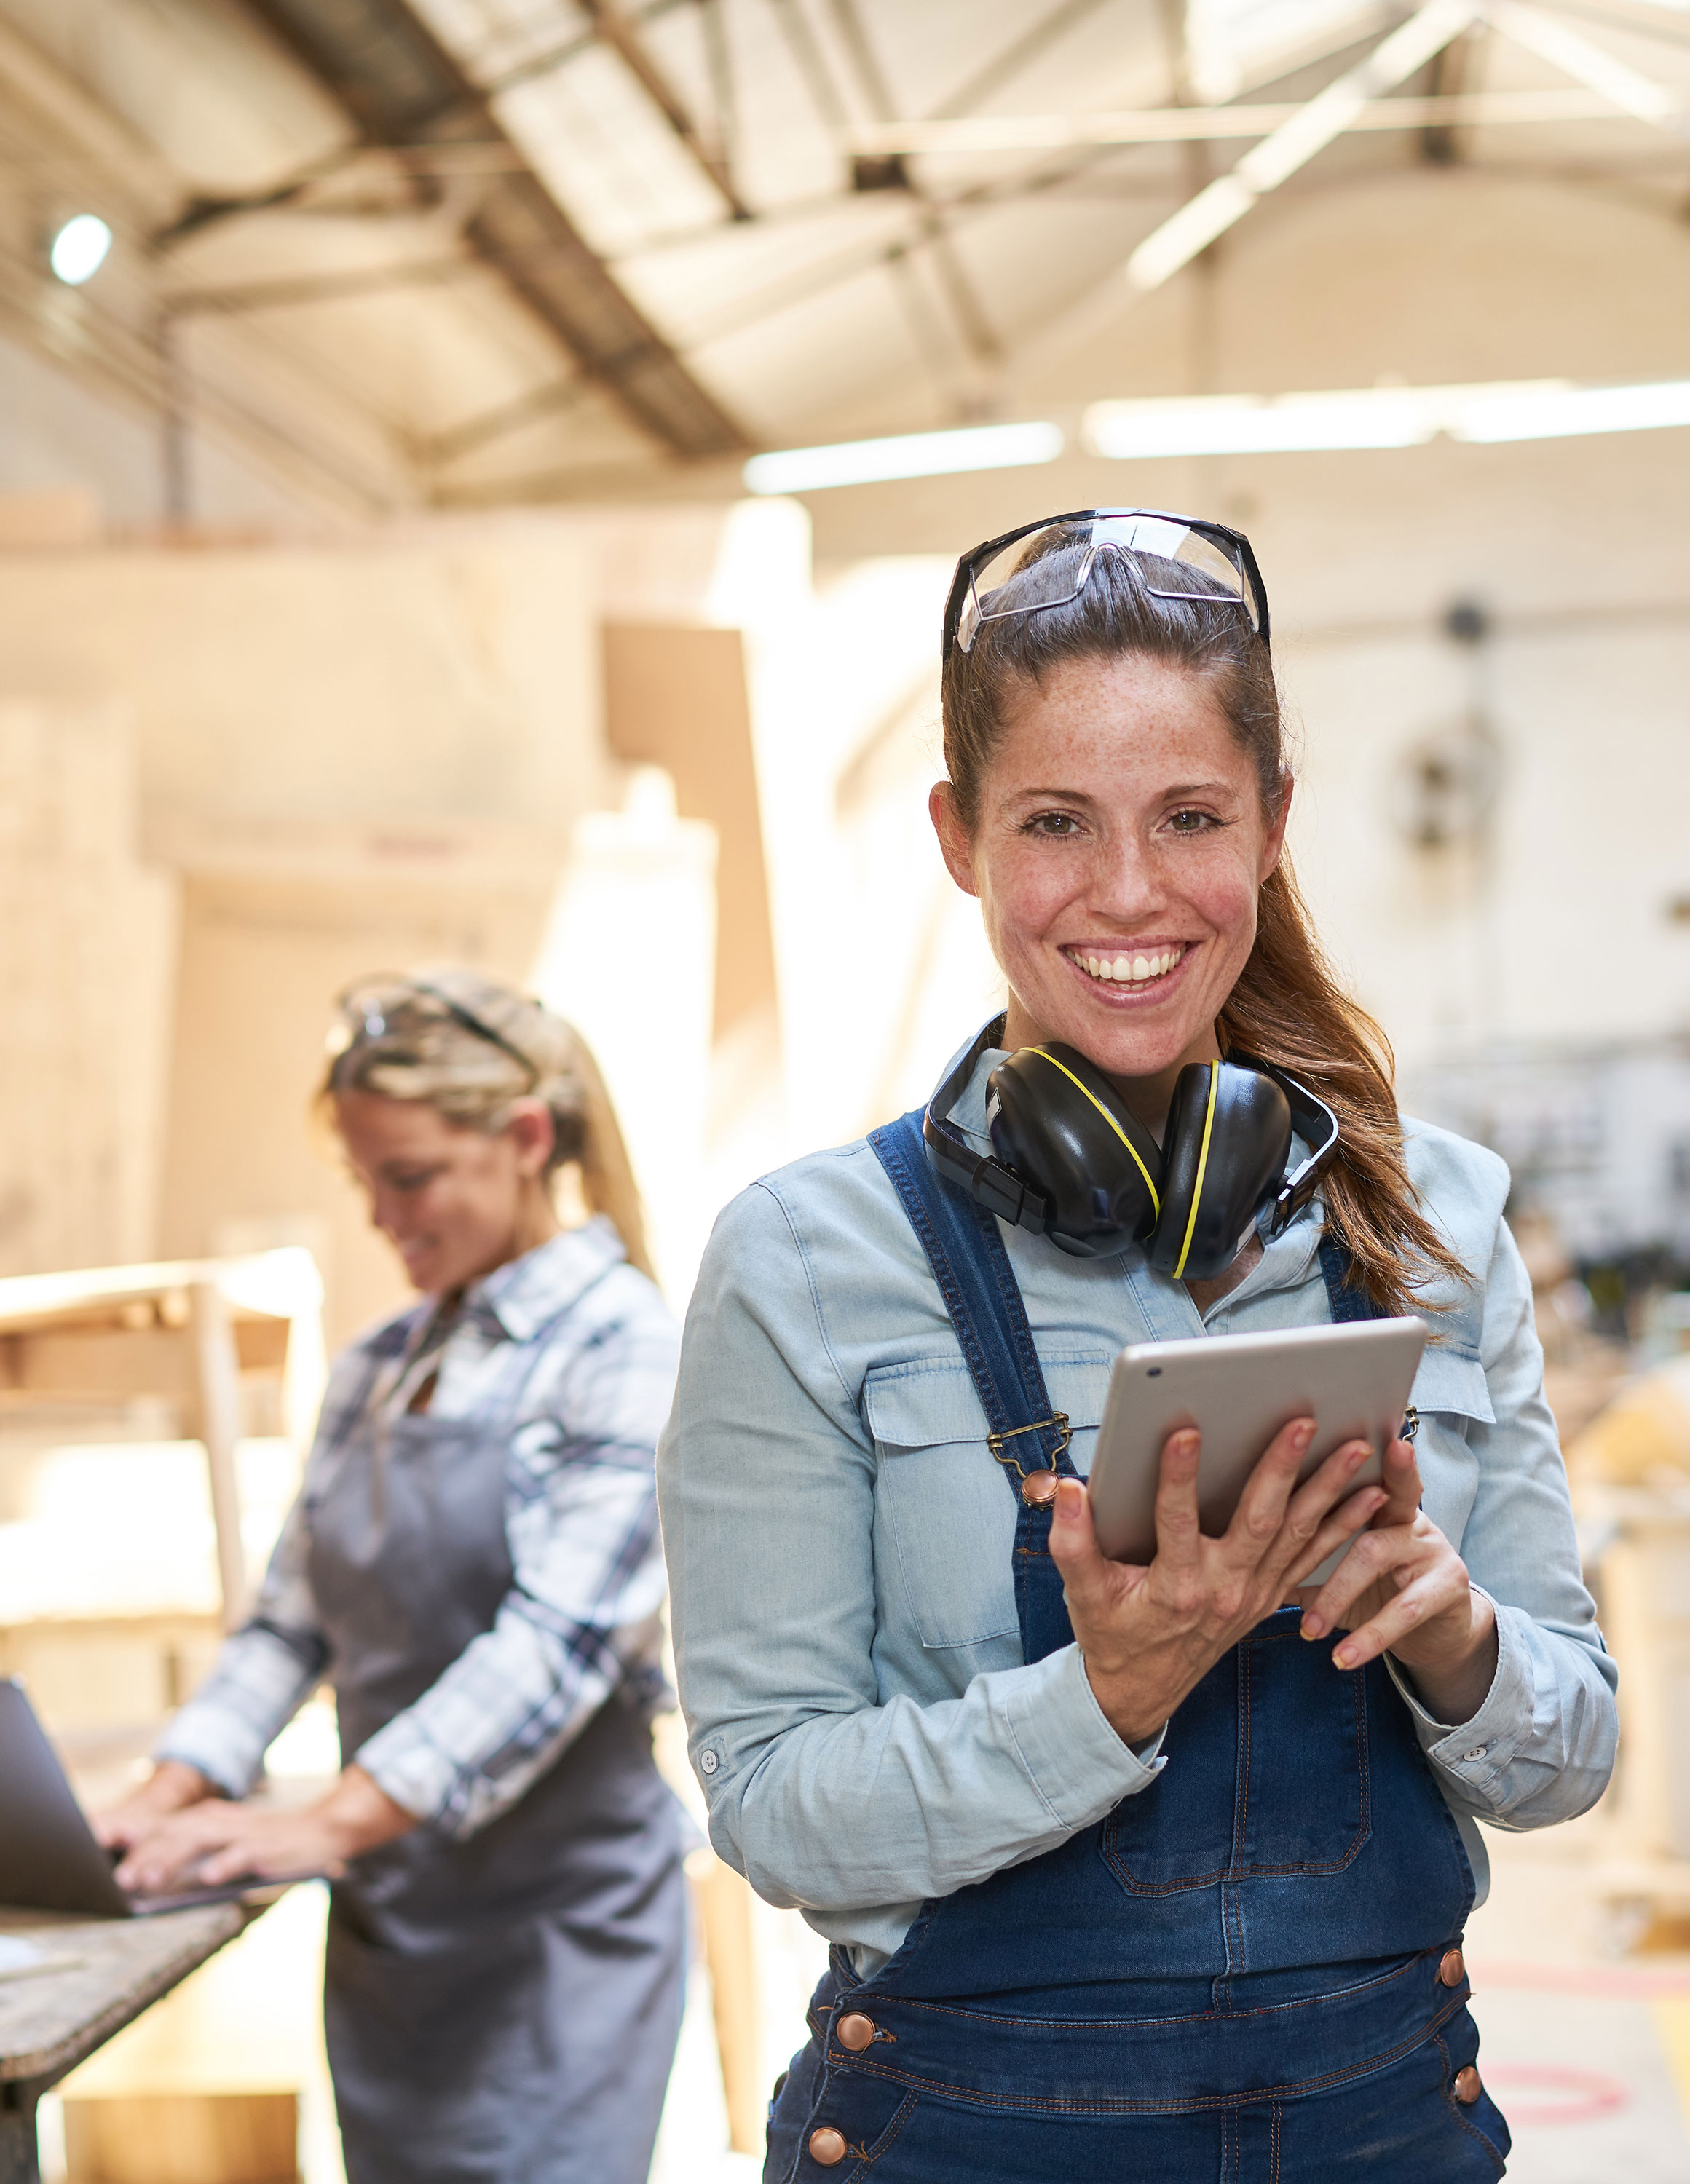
(523, 1294)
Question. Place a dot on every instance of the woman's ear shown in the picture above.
(532, 1133)
(955, 845)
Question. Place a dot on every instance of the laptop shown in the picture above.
(50, 1859)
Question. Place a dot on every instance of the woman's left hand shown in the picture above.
(1403, 1589)
(217, 1841)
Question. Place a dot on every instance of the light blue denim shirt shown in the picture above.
(860, 1717)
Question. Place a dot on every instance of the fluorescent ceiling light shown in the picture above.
(79, 249)
(910, 456)
(1557, 413)
(1378, 417)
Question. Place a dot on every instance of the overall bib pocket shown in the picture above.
(1267, 1774)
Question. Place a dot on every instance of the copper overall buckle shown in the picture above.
(994, 1442)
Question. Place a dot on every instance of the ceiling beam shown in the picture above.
(1014, 133)
(980, 336)
(402, 89)
(615, 30)
(1574, 55)
(1201, 219)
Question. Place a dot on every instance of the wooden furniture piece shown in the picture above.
(51, 2020)
(182, 2138)
(190, 1332)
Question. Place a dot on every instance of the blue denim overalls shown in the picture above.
(1246, 1974)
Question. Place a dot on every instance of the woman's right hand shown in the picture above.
(172, 1786)
(1149, 1633)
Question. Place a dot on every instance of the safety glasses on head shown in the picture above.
(396, 1009)
(1071, 1160)
(1047, 564)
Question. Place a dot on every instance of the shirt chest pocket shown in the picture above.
(1452, 1397)
(944, 1510)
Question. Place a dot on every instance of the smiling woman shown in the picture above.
(473, 1565)
(1124, 1877)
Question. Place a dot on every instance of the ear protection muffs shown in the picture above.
(1072, 1162)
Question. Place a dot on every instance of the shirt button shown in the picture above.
(1477, 1752)
(709, 1762)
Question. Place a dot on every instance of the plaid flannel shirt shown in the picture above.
(567, 1356)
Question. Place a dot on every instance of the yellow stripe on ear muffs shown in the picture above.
(1155, 1201)
(1202, 1165)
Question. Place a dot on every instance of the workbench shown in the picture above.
(52, 2019)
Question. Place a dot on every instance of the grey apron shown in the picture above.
(503, 2010)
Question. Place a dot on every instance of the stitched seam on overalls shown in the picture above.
(1446, 2087)
(901, 2116)
(1196, 2105)
(1358, 1841)
(1231, 1902)
(1277, 2113)
(1122, 2026)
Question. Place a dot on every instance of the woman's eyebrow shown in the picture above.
(1086, 796)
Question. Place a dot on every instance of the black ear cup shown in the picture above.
(1055, 1116)
(1228, 1138)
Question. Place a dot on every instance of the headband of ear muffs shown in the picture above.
(1072, 1160)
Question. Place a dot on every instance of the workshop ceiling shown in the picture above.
(461, 253)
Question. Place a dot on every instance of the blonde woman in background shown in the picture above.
(473, 1564)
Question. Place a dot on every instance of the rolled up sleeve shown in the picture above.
(263, 1673)
(1541, 1747)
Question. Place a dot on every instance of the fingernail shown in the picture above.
(1355, 1458)
(1305, 1432)
(1314, 1626)
(1345, 1656)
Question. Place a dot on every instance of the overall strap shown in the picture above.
(1344, 1293)
(983, 1297)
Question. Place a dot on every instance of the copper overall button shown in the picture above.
(1038, 1489)
(855, 2032)
(1468, 2089)
(827, 2145)
(1453, 1968)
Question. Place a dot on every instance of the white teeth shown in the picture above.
(1130, 970)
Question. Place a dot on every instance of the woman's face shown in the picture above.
(454, 1202)
(1119, 845)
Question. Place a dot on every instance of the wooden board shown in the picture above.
(51, 2020)
(182, 2138)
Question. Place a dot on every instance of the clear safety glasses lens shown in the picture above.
(1048, 567)
(398, 1009)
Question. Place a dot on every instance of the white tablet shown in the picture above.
(1238, 1389)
